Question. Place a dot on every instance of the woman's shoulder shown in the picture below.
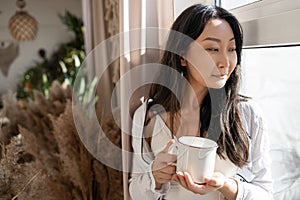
(144, 118)
(250, 109)
(252, 116)
(140, 110)
(139, 116)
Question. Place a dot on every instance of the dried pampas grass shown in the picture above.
(44, 158)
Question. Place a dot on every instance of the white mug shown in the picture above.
(195, 155)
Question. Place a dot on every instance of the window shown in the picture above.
(271, 76)
(232, 4)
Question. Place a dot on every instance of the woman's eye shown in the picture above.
(212, 49)
(232, 49)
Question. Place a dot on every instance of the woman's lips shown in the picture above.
(220, 76)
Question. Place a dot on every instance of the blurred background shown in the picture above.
(43, 44)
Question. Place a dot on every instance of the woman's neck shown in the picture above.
(193, 97)
(188, 122)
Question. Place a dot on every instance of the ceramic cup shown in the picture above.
(195, 155)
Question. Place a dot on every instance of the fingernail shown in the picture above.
(186, 174)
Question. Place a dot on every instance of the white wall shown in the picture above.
(180, 5)
(51, 33)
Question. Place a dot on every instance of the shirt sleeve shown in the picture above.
(142, 186)
(142, 182)
(254, 180)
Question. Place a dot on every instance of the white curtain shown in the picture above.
(135, 16)
(101, 21)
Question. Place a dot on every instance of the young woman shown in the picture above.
(242, 164)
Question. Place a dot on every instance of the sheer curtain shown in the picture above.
(106, 18)
(101, 19)
(136, 16)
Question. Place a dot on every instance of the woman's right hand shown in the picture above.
(163, 168)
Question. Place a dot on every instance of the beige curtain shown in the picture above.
(101, 19)
(105, 18)
(138, 14)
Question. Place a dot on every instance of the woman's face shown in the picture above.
(212, 57)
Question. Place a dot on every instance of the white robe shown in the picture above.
(254, 180)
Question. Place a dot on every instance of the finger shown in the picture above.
(211, 181)
(162, 181)
(170, 169)
(163, 160)
(167, 158)
(192, 186)
(198, 188)
(215, 180)
(162, 175)
(181, 179)
(166, 149)
(189, 181)
(167, 168)
(175, 178)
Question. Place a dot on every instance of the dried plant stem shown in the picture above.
(16, 196)
(2, 150)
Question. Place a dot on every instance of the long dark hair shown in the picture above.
(225, 117)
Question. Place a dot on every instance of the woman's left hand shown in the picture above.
(213, 183)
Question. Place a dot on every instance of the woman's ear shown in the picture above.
(183, 62)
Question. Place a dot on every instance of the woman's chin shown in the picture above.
(217, 85)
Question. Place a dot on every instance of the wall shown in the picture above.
(51, 33)
(180, 5)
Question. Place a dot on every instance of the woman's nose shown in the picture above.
(223, 61)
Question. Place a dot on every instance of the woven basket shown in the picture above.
(23, 26)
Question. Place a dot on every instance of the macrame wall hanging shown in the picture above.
(23, 26)
(9, 50)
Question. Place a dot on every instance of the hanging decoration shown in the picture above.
(23, 26)
(9, 50)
